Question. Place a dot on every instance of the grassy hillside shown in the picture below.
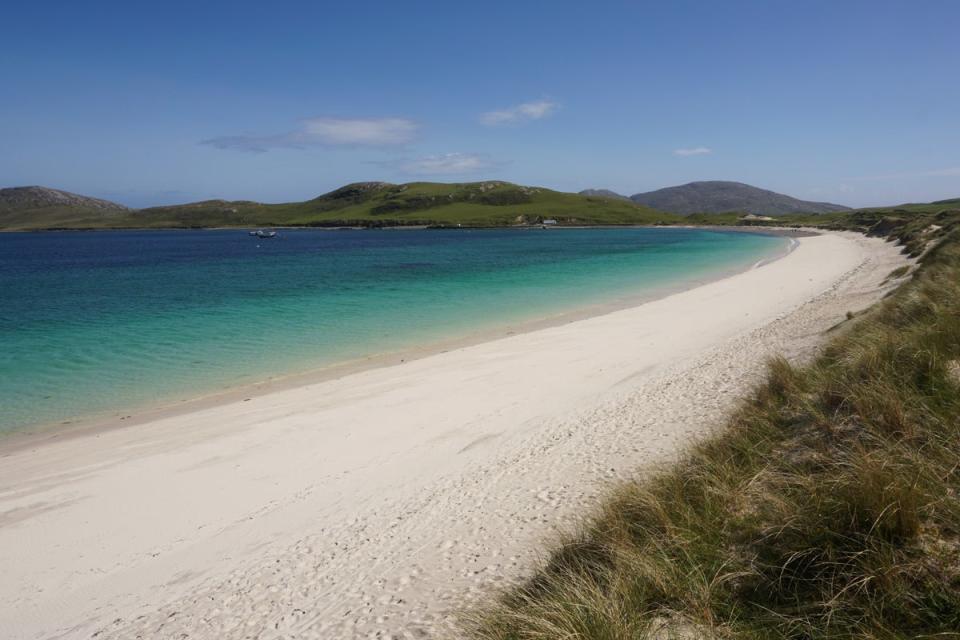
(828, 508)
(20, 207)
(61, 217)
(375, 204)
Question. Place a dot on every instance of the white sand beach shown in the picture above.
(384, 500)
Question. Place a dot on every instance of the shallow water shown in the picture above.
(99, 322)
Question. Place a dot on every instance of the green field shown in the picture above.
(370, 204)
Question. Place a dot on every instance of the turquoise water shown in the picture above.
(101, 322)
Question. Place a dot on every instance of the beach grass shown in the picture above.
(827, 507)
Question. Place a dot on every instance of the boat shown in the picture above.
(263, 233)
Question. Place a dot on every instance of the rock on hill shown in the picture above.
(602, 193)
(719, 197)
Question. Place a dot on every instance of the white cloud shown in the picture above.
(520, 113)
(372, 132)
(694, 151)
(443, 164)
(382, 131)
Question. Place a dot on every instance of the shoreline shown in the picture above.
(421, 227)
(36, 435)
(385, 500)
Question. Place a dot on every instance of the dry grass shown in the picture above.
(828, 508)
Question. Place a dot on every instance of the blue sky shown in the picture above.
(150, 103)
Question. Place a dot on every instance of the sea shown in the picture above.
(99, 323)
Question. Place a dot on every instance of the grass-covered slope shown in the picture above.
(22, 207)
(829, 507)
(380, 204)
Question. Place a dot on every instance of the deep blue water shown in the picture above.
(107, 321)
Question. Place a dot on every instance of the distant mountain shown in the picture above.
(602, 193)
(23, 207)
(720, 197)
(371, 204)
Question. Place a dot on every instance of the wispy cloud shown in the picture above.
(443, 164)
(519, 114)
(693, 151)
(370, 132)
(949, 172)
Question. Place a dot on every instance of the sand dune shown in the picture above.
(384, 499)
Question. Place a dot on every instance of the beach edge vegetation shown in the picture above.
(827, 507)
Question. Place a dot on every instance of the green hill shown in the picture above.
(372, 204)
(24, 207)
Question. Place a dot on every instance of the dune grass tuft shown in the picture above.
(827, 508)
